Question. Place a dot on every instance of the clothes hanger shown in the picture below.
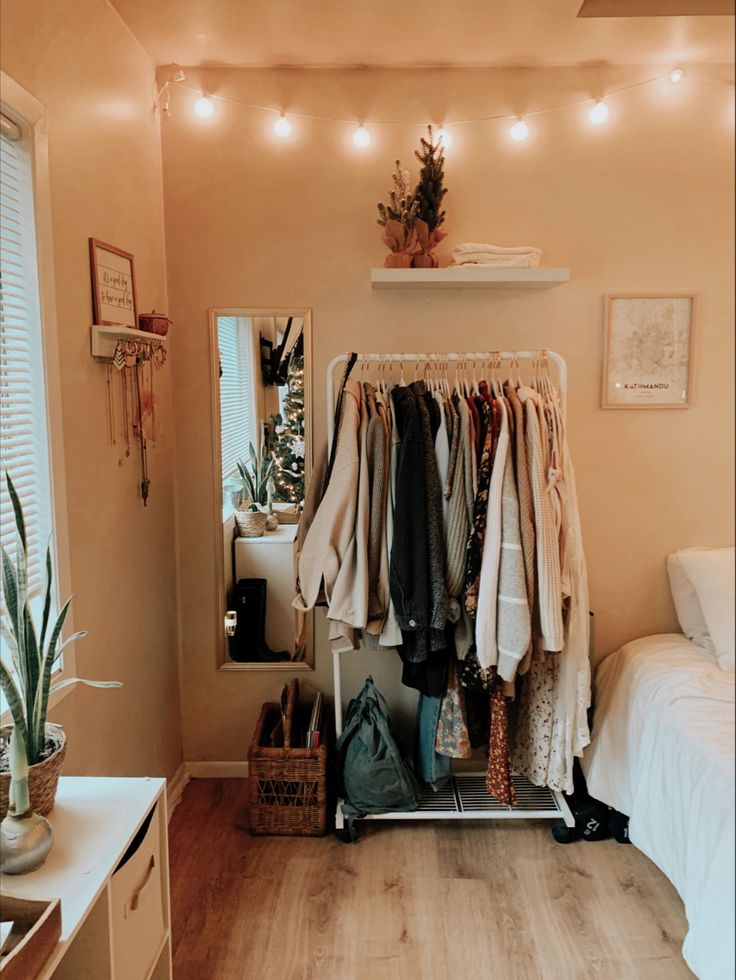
(456, 379)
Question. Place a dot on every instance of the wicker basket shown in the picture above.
(42, 778)
(287, 787)
(251, 523)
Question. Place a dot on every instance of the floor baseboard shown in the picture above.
(217, 770)
(200, 770)
(175, 787)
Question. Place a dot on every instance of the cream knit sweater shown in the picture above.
(548, 553)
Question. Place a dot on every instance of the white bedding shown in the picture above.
(663, 752)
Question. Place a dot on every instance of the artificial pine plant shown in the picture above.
(403, 206)
(430, 190)
(287, 440)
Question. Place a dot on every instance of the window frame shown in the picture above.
(32, 116)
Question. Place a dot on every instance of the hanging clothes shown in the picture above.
(333, 525)
(449, 530)
(378, 462)
(486, 623)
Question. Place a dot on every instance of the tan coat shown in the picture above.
(333, 525)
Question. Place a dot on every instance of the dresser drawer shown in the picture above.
(136, 904)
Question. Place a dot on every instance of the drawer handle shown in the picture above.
(135, 900)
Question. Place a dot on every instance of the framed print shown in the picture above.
(113, 285)
(648, 352)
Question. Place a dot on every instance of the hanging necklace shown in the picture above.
(145, 482)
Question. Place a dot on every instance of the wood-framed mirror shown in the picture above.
(261, 370)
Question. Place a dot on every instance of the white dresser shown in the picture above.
(110, 867)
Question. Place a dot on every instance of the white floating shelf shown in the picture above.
(456, 277)
(105, 339)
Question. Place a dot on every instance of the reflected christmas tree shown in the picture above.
(287, 433)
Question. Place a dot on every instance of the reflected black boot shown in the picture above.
(249, 643)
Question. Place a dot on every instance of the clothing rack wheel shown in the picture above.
(464, 797)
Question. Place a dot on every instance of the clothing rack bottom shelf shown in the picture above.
(465, 797)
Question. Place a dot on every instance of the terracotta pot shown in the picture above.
(43, 778)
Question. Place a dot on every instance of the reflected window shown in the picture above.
(238, 420)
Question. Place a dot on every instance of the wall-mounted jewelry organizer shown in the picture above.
(132, 358)
(465, 796)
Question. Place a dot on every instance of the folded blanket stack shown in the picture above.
(478, 254)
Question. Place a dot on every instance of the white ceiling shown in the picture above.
(409, 33)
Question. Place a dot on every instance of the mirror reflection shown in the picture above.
(261, 369)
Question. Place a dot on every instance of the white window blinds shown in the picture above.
(237, 414)
(24, 450)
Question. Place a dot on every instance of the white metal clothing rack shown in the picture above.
(465, 796)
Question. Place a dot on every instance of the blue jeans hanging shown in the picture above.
(432, 768)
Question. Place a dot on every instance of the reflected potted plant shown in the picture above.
(26, 680)
(256, 475)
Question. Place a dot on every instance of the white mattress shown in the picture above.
(663, 752)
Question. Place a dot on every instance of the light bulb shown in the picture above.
(361, 137)
(677, 75)
(204, 107)
(282, 127)
(519, 131)
(598, 114)
(444, 139)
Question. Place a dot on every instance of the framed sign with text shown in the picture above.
(113, 285)
(648, 352)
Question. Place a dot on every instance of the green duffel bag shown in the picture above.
(372, 776)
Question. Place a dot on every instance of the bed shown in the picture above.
(662, 752)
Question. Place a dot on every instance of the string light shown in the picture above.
(282, 127)
(361, 137)
(204, 107)
(598, 114)
(444, 139)
(519, 131)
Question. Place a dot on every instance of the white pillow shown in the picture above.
(687, 606)
(712, 575)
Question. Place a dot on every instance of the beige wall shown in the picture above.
(644, 204)
(79, 59)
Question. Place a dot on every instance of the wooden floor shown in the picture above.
(411, 901)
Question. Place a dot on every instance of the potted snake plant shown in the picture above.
(256, 474)
(26, 678)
